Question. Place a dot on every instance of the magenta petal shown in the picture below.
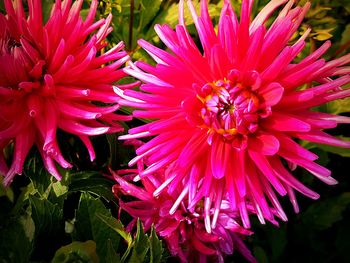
(239, 172)
(53, 75)
(202, 248)
(131, 189)
(264, 143)
(323, 138)
(219, 157)
(272, 93)
(286, 176)
(81, 129)
(285, 122)
(265, 167)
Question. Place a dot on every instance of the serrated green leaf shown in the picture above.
(141, 245)
(46, 215)
(82, 252)
(116, 225)
(325, 213)
(156, 248)
(39, 177)
(92, 182)
(89, 226)
(112, 256)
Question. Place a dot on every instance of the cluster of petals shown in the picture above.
(228, 115)
(183, 231)
(54, 76)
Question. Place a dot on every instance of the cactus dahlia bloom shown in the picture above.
(51, 78)
(183, 231)
(227, 118)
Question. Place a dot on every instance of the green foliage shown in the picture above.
(323, 215)
(88, 225)
(46, 215)
(156, 248)
(338, 106)
(93, 183)
(6, 191)
(77, 252)
(17, 238)
(93, 234)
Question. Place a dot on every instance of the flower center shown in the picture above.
(12, 43)
(229, 108)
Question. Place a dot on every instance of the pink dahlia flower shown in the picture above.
(227, 119)
(51, 77)
(183, 231)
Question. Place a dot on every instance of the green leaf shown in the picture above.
(141, 245)
(148, 11)
(59, 189)
(338, 106)
(46, 215)
(324, 214)
(116, 225)
(89, 226)
(345, 35)
(112, 256)
(156, 248)
(92, 182)
(28, 226)
(84, 252)
(119, 153)
(6, 191)
(46, 7)
(17, 234)
(39, 177)
(168, 16)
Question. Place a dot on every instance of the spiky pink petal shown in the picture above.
(51, 77)
(226, 119)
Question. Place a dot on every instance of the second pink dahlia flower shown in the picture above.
(51, 77)
(227, 119)
(183, 231)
